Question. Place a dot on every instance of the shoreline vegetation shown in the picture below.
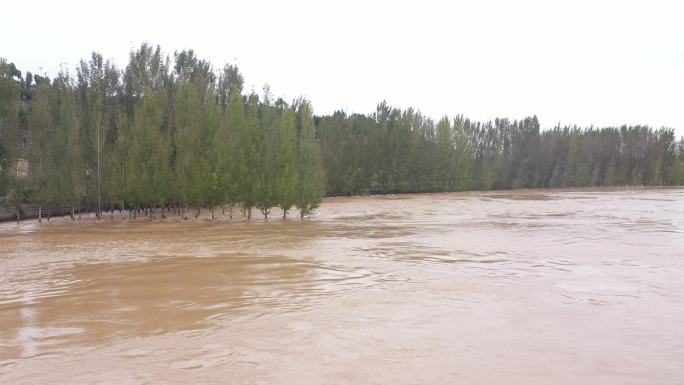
(204, 214)
(170, 133)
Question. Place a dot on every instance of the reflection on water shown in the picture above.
(515, 287)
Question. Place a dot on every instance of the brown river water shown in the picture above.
(527, 287)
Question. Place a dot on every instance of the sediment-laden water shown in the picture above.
(528, 287)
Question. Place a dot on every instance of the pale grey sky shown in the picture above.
(585, 62)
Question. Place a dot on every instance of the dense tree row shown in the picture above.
(403, 151)
(173, 133)
(162, 133)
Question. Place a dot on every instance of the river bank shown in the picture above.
(225, 214)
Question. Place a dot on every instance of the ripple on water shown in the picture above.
(167, 295)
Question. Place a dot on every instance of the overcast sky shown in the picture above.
(585, 62)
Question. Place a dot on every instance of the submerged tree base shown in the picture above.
(163, 214)
(229, 214)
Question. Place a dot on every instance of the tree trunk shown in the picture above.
(198, 213)
(212, 213)
(40, 214)
(99, 205)
(284, 214)
(72, 213)
(249, 214)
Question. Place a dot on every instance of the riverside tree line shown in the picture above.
(162, 133)
(170, 132)
(403, 151)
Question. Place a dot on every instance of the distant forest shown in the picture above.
(171, 132)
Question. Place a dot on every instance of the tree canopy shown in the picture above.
(170, 131)
(162, 132)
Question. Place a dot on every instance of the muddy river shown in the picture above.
(531, 287)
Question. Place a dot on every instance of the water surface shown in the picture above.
(530, 287)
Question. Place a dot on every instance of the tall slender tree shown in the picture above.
(40, 146)
(286, 180)
(311, 181)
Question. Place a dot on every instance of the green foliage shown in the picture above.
(10, 136)
(286, 179)
(68, 161)
(150, 152)
(41, 149)
(404, 152)
(190, 162)
(268, 153)
(678, 167)
(310, 186)
(215, 151)
(248, 147)
(172, 133)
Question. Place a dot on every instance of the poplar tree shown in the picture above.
(189, 174)
(249, 142)
(90, 83)
(215, 154)
(236, 173)
(155, 135)
(268, 153)
(230, 82)
(68, 160)
(120, 187)
(150, 154)
(445, 160)
(311, 181)
(40, 136)
(9, 125)
(286, 180)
